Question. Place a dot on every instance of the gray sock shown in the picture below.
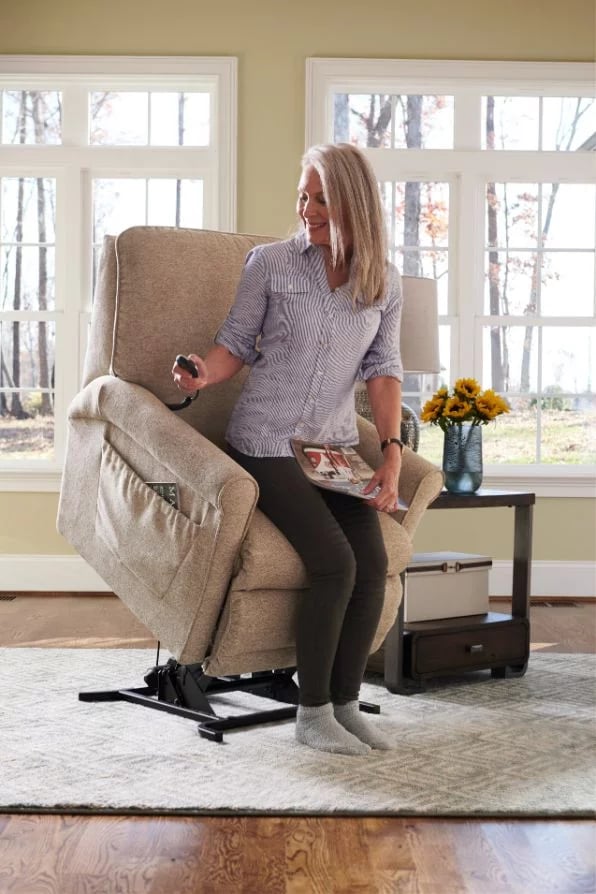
(350, 717)
(316, 726)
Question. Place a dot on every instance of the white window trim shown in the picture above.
(215, 164)
(324, 77)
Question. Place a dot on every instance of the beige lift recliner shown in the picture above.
(211, 577)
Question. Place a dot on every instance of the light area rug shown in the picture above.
(472, 747)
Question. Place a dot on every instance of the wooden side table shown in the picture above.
(500, 642)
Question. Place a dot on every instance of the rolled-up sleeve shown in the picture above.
(243, 325)
(383, 358)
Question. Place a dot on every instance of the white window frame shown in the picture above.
(74, 163)
(468, 165)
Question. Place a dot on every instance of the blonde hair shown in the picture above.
(354, 202)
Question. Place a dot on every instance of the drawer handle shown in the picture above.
(475, 649)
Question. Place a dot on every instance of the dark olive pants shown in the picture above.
(339, 540)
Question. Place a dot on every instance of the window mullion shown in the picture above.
(467, 121)
(70, 241)
(211, 197)
(468, 283)
(223, 150)
(594, 281)
(75, 116)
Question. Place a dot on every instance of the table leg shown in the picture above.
(522, 561)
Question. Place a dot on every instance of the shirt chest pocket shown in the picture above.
(289, 304)
(288, 285)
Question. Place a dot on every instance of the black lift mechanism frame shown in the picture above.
(185, 690)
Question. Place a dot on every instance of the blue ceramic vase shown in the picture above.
(462, 458)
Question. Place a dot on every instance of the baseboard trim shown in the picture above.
(565, 580)
(71, 574)
(547, 600)
(49, 574)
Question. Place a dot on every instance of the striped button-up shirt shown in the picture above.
(307, 345)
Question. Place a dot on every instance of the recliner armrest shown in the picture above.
(172, 568)
(191, 457)
(420, 481)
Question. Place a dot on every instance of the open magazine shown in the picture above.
(335, 468)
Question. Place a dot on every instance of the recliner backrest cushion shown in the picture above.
(174, 289)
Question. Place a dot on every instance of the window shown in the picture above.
(88, 147)
(489, 184)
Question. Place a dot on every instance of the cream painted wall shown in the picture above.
(272, 39)
(564, 529)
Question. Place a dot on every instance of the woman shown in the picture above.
(326, 306)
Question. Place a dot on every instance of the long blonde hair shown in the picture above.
(354, 202)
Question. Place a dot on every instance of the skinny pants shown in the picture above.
(339, 540)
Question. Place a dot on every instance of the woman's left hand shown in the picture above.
(386, 477)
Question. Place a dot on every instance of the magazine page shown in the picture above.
(335, 468)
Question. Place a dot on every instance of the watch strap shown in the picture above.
(389, 441)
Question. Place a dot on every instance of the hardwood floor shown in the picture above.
(310, 855)
(53, 854)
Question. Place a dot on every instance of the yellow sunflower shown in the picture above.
(464, 402)
(489, 404)
(457, 409)
(466, 388)
(433, 408)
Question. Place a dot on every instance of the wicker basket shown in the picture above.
(410, 426)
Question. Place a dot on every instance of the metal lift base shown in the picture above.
(185, 690)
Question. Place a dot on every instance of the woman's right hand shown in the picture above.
(186, 381)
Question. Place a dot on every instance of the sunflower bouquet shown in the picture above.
(466, 402)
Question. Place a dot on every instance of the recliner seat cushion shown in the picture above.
(268, 561)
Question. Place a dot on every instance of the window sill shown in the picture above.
(31, 480)
(544, 481)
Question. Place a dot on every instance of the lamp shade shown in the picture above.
(419, 341)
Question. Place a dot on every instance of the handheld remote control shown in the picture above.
(188, 365)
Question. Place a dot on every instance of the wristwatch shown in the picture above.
(389, 441)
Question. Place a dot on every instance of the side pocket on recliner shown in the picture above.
(145, 533)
